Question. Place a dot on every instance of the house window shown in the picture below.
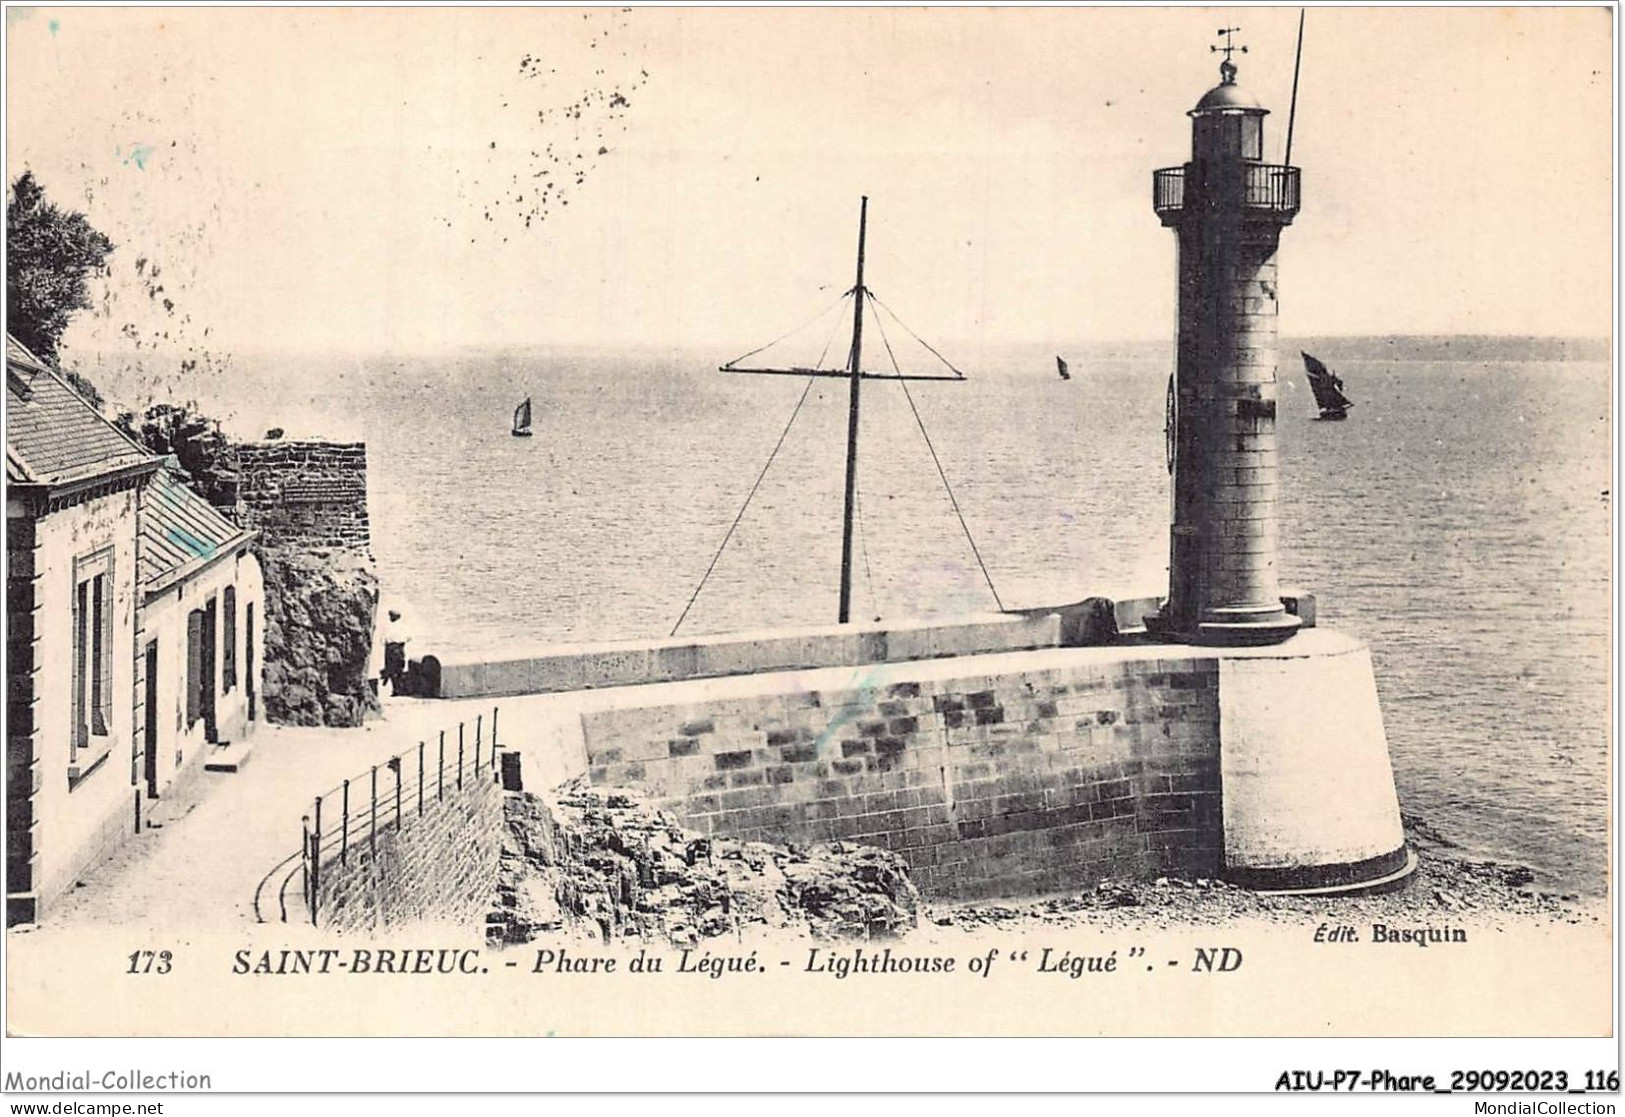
(228, 657)
(92, 693)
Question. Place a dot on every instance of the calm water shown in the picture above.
(1458, 522)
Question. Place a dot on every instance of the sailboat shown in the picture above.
(521, 419)
(1060, 367)
(1328, 389)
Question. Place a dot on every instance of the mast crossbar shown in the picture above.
(854, 375)
(844, 374)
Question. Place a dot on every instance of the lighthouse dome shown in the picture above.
(1227, 124)
(1227, 96)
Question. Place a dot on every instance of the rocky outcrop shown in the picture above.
(308, 501)
(598, 863)
(320, 611)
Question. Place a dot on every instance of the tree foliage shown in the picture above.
(50, 254)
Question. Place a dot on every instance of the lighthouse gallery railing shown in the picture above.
(1266, 186)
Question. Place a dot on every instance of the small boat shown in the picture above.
(1328, 389)
(521, 419)
(1060, 367)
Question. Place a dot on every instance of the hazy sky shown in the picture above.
(312, 179)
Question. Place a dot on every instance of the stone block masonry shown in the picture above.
(312, 495)
(1036, 777)
(23, 776)
(440, 867)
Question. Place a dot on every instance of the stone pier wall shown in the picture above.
(1041, 775)
(440, 867)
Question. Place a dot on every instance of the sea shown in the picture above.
(1459, 522)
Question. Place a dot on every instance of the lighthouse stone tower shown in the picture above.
(1228, 208)
(1306, 782)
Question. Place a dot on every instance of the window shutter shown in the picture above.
(101, 689)
(194, 664)
(228, 670)
(80, 734)
(107, 650)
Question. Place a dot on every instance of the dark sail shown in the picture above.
(1060, 366)
(521, 418)
(1328, 389)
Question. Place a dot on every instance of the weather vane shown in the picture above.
(1227, 68)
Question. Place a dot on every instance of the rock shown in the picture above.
(1515, 875)
(319, 619)
(1447, 900)
(1118, 898)
(616, 868)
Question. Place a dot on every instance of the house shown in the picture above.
(73, 486)
(198, 641)
(120, 583)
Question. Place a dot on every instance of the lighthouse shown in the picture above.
(1307, 786)
(1227, 207)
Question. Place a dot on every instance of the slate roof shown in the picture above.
(179, 529)
(53, 437)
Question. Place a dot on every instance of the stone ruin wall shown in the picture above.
(308, 501)
(312, 495)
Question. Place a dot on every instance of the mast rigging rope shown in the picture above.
(788, 333)
(874, 298)
(805, 392)
(863, 542)
(949, 489)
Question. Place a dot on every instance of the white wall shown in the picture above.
(75, 827)
(181, 749)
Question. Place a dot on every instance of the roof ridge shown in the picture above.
(11, 339)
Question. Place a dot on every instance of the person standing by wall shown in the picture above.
(396, 637)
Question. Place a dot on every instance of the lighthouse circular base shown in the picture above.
(1375, 874)
(1249, 628)
(1308, 789)
(1246, 633)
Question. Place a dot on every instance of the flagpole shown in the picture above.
(1292, 115)
(852, 423)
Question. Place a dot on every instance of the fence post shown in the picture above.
(316, 862)
(396, 764)
(304, 872)
(420, 779)
(459, 756)
(372, 837)
(344, 836)
(440, 769)
(479, 735)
